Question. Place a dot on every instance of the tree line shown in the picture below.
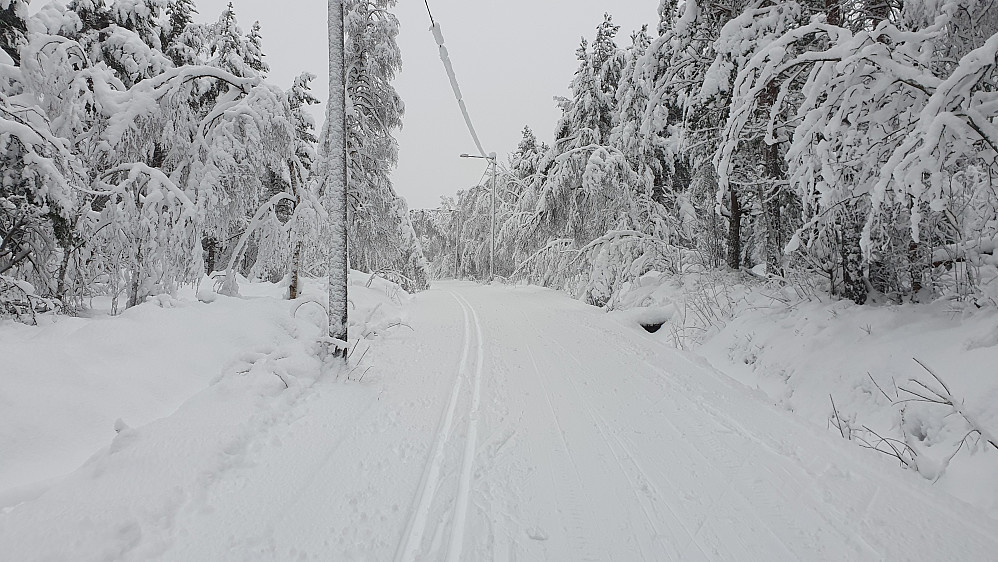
(852, 141)
(140, 149)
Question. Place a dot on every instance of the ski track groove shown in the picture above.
(412, 538)
(470, 445)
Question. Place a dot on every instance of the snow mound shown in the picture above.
(100, 387)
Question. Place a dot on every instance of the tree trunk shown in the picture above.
(734, 231)
(133, 292)
(771, 205)
(336, 180)
(771, 199)
(295, 267)
(210, 247)
(853, 280)
(60, 290)
(833, 12)
(915, 267)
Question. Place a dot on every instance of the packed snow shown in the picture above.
(471, 423)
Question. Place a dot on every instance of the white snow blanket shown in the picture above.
(507, 423)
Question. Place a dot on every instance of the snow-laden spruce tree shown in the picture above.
(36, 198)
(594, 220)
(382, 239)
(301, 217)
(582, 170)
(245, 156)
(13, 27)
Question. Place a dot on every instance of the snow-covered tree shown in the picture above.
(754, 175)
(13, 27)
(381, 235)
(37, 171)
(116, 161)
(254, 50)
(181, 42)
(228, 49)
(300, 169)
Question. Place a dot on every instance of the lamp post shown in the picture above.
(492, 245)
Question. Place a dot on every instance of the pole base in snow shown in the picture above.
(332, 355)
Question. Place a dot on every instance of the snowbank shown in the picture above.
(69, 387)
(805, 351)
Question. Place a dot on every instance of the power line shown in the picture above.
(427, 2)
(438, 36)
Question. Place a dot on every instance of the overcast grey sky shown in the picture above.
(511, 58)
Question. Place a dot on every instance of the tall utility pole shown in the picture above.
(492, 244)
(336, 180)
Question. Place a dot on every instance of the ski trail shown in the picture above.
(573, 507)
(413, 537)
(635, 484)
(471, 443)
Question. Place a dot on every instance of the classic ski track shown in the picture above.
(412, 538)
(471, 443)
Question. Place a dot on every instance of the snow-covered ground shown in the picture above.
(484, 423)
(805, 351)
(71, 386)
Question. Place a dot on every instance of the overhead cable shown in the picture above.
(438, 36)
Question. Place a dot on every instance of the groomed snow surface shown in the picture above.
(472, 423)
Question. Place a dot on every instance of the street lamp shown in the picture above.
(492, 247)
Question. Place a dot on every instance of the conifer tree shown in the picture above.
(253, 54)
(300, 170)
(381, 235)
(13, 27)
(180, 14)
